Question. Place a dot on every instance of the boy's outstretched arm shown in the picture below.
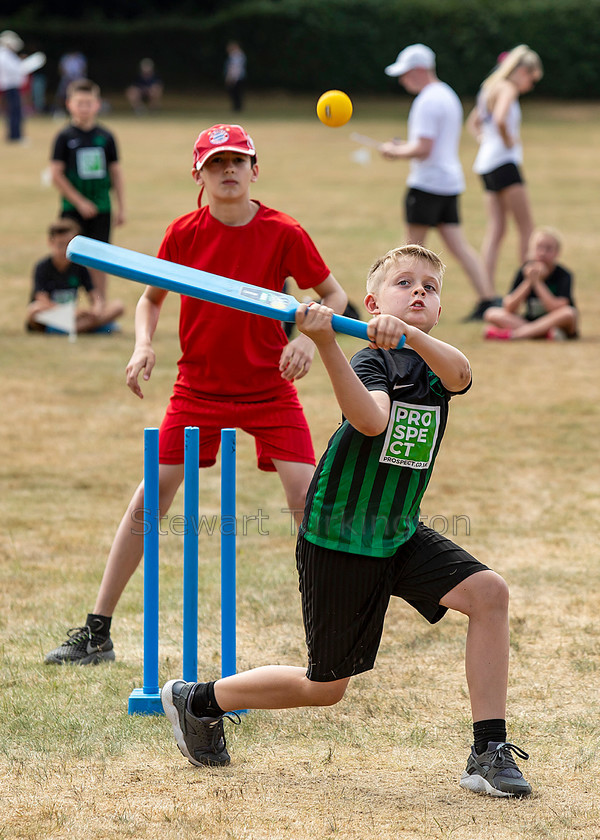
(445, 361)
(367, 411)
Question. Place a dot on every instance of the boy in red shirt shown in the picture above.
(236, 369)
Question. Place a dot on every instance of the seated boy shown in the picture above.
(56, 281)
(542, 290)
(361, 541)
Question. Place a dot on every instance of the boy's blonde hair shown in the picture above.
(521, 56)
(547, 230)
(381, 266)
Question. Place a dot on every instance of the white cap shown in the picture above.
(417, 55)
(10, 39)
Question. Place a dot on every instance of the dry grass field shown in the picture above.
(517, 480)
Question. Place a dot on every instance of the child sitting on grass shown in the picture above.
(56, 281)
(542, 291)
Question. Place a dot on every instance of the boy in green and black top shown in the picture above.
(361, 541)
(85, 168)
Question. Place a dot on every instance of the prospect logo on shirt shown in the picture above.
(91, 163)
(411, 435)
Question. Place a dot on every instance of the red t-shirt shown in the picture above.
(225, 352)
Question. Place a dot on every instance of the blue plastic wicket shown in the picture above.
(146, 701)
(228, 553)
(190, 553)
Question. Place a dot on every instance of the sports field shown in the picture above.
(517, 481)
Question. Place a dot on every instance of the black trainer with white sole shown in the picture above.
(82, 647)
(495, 772)
(200, 740)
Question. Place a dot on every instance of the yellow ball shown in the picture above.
(334, 108)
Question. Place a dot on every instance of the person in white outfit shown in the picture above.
(496, 123)
(11, 80)
(436, 178)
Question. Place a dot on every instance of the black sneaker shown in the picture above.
(495, 771)
(200, 740)
(82, 647)
(477, 313)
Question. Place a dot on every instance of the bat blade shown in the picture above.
(364, 140)
(152, 271)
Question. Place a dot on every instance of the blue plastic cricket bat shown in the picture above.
(192, 282)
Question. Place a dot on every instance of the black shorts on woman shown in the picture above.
(502, 177)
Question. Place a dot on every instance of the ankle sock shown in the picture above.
(485, 731)
(99, 624)
(202, 702)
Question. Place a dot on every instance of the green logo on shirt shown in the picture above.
(91, 163)
(411, 435)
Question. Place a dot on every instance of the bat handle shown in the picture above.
(358, 329)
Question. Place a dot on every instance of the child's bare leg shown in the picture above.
(470, 260)
(34, 308)
(483, 597)
(416, 234)
(295, 478)
(494, 233)
(276, 687)
(565, 318)
(128, 544)
(112, 310)
(516, 201)
(500, 317)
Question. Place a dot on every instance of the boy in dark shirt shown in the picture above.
(56, 281)
(85, 169)
(542, 291)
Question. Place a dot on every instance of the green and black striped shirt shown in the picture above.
(87, 156)
(366, 491)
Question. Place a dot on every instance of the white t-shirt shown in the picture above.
(437, 115)
(492, 150)
(11, 75)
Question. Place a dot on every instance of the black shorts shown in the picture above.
(96, 228)
(345, 596)
(501, 178)
(430, 209)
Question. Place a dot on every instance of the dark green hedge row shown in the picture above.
(312, 45)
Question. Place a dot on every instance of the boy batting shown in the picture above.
(361, 542)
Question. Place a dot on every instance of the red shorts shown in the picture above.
(277, 424)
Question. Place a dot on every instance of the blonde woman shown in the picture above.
(496, 121)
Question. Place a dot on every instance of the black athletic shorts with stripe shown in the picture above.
(345, 596)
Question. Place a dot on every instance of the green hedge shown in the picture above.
(312, 45)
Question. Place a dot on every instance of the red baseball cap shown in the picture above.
(222, 138)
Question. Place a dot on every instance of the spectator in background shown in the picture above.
(495, 122)
(147, 90)
(235, 74)
(71, 67)
(540, 303)
(435, 179)
(11, 82)
(85, 169)
(56, 280)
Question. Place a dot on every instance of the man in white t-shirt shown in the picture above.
(435, 179)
